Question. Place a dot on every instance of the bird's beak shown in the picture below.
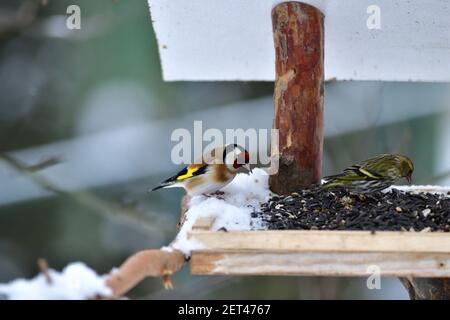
(408, 178)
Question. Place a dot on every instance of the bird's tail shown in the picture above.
(330, 184)
(331, 181)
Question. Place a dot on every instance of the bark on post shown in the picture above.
(427, 288)
(298, 98)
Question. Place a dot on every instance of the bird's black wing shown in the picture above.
(186, 173)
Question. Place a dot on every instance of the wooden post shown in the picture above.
(298, 99)
(427, 288)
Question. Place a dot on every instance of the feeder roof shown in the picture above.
(232, 40)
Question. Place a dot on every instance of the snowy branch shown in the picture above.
(75, 282)
(147, 263)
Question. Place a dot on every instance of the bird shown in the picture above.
(213, 171)
(374, 174)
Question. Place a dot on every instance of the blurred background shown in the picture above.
(85, 125)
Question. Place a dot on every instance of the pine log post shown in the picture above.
(298, 31)
(427, 288)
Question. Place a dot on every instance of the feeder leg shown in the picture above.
(298, 98)
(427, 288)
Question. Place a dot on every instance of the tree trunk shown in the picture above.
(298, 98)
(427, 288)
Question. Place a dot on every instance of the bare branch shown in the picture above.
(43, 267)
(23, 18)
(44, 164)
(147, 263)
(85, 198)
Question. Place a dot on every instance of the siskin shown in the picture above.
(216, 169)
(373, 174)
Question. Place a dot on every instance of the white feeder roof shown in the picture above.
(232, 40)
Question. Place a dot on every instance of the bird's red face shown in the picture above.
(242, 160)
(235, 157)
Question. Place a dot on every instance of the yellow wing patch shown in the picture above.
(367, 173)
(190, 173)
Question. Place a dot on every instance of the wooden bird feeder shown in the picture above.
(320, 253)
(422, 260)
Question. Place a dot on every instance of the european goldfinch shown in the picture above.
(373, 174)
(214, 171)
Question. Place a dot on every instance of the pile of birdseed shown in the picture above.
(339, 209)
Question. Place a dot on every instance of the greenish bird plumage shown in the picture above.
(373, 174)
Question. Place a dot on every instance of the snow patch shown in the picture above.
(422, 189)
(232, 211)
(75, 282)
